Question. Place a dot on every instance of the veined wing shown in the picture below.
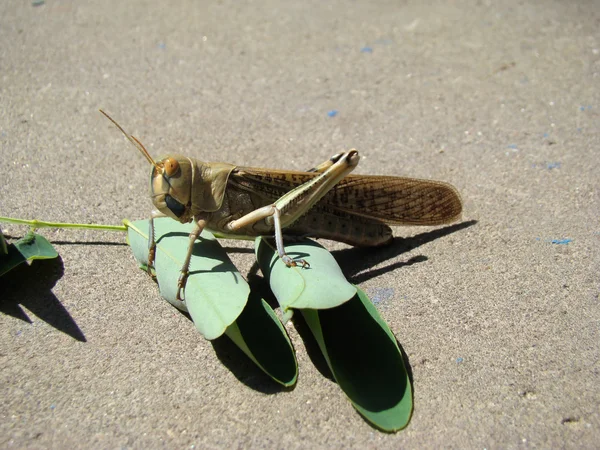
(397, 200)
(393, 200)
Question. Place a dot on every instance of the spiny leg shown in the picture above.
(199, 224)
(152, 243)
(288, 260)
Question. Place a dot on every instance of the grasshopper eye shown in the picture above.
(175, 206)
(171, 167)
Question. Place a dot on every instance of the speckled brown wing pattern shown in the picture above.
(392, 200)
(396, 200)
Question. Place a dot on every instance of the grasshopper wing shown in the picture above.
(396, 200)
(392, 200)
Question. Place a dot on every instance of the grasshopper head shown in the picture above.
(170, 182)
(182, 187)
(171, 187)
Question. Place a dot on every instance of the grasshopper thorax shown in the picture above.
(171, 187)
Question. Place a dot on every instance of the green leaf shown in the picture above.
(358, 346)
(30, 247)
(260, 335)
(322, 285)
(215, 293)
(216, 296)
(365, 360)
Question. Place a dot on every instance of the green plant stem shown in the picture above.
(34, 224)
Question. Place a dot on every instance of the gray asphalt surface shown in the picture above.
(499, 317)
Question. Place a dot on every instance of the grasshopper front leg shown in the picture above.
(294, 204)
(199, 224)
(152, 243)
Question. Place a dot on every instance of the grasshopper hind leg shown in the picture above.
(295, 203)
(268, 213)
(288, 260)
(327, 164)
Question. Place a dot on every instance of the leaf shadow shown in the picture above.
(312, 346)
(99, 243)
(229, 248)
(31, 286)
(171, 234)
(259, 285)
(242, 367)
(59, 242)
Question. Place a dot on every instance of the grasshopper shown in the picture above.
(324, 202)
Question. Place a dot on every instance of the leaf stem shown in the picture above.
(34, 224)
